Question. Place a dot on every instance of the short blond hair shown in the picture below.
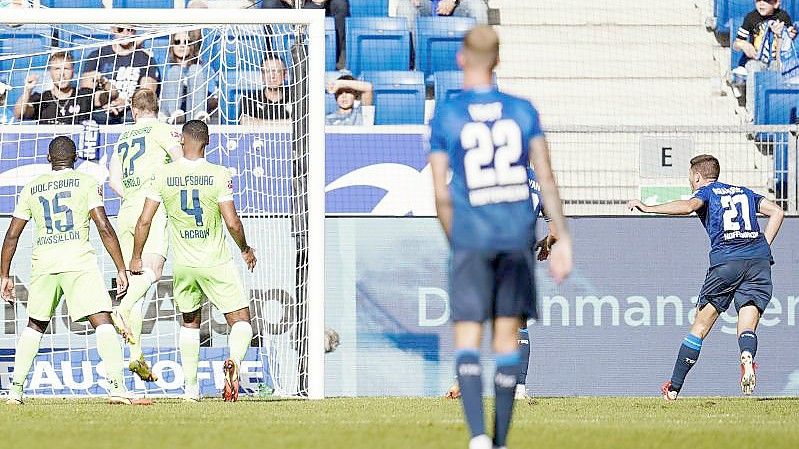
(145, 100)
(481, 47)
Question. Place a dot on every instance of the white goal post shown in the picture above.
(278, 168)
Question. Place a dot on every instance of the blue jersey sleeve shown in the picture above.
(756, 199)
(703, 194)
(437, 132)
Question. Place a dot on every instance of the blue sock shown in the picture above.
(504, 389)
(747, 341)
(524, 355)
(467, 364)
(686, 359)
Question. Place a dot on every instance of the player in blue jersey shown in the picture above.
(487, 138)
(740, 264)
(542, 248)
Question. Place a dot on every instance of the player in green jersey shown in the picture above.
(140, 154)
(198, 198)
(61, 204)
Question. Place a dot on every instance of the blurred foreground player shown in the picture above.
(487, 139)
(543, 247)
(740, 264)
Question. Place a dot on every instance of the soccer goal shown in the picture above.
(257, 78)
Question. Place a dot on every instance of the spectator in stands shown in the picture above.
(410, 9)
(270, 103)
(118, 70)
(338, 9)
(350, 94)
(750, 40)
(63, 103)
(184, 89)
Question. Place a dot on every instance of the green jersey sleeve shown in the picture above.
(225, 188)
(93, 192)
(23, 209)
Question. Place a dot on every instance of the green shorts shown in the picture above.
(157, 241)
(220, 284)
(84, 292)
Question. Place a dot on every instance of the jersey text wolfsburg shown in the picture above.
(191, 192)
(59, 203)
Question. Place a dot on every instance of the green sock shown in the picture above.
(239, 340)
(189, 341)
(27, 348)
(110, 351)
(138, 286)
(135, 318)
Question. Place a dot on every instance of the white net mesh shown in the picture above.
(249, 82)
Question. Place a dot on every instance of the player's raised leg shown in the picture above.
(688, 354)
(25, 353)
(238, 342)
(130, 309)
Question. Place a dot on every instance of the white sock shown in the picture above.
(239, 340)
(189, 343)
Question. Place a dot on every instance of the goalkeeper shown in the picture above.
(198, 197)
(140, 154)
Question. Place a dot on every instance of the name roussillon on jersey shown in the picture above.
(190, 180)
(58, 238)
(57, 184)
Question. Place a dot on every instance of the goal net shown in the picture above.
(251, 75)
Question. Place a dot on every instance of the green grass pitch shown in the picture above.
(386, 423)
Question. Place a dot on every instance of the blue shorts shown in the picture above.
(488, 284)
(745, 281)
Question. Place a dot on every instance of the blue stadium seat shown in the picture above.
(776, 102)
(735, 55)
(28, 39)
(72, 3)
(735, 9)
(447, 85)
(399, 97)
(438, 39)
(162, 4)
(246, 51)
(159, 46)
(377, 43)
(330, 43)
(236, 84)
(365, 8)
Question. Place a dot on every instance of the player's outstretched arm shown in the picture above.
(15, 229)
(236, 230)
(141, 233)
(115, 175)
(439, 163)
(109, 237)
(678, 207)
(561, 260)
(775, 216)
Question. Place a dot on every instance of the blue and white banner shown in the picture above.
(613, 328)
(367, 173)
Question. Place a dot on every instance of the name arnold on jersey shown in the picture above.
(135, 132)
(190, 180)
(56, 184)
